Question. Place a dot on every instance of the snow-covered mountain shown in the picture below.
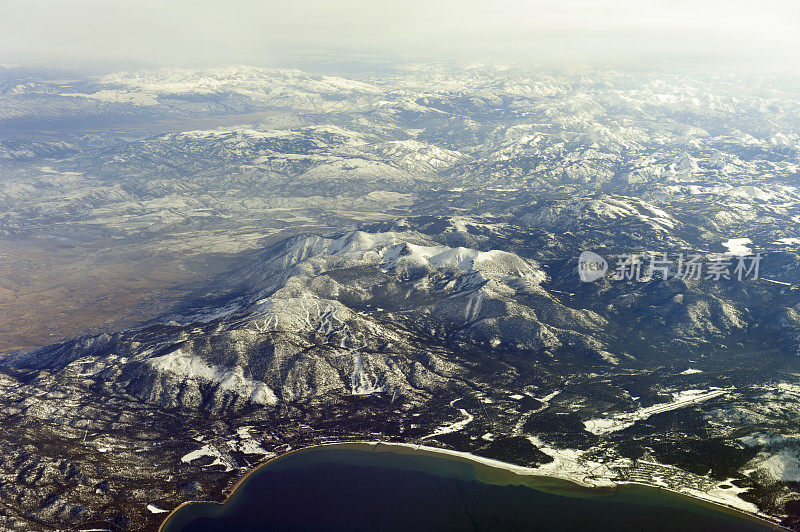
(392, 257)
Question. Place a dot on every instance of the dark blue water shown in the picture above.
(335, 489)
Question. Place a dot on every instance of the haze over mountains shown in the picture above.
(273, 258)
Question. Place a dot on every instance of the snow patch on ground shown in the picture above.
(571, 464)
(787, 241)
(738, 246)
(452, 427)
(211, 451)
(600, 426)
(246, 444)
(782, 465)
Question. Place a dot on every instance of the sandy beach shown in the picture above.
(500, 473)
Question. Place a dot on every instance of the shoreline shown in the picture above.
(561, 485)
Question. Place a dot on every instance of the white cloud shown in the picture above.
(249, 31)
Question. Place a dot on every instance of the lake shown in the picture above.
(367, 488)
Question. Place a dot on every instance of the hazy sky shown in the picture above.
(540, 31)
